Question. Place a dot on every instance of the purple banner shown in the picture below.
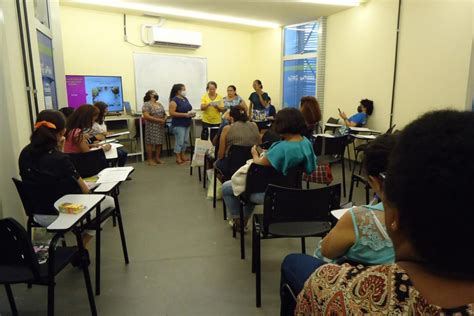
(76, 91)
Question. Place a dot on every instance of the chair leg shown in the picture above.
(97, 254)
(343, 177)
(121, 230)
(258, 274)
(303, 245)
(224, 209)
(87, 277)
(254, 257)
(307, 185)
(214, 198)
(190, 170)
(11, 300)
(349, 156)
(114, 220)
(199, 172)
(242, 237)
(51, 298)
(204, 175)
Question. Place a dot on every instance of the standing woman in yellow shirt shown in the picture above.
(212, 106)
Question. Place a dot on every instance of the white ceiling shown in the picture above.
(282, 12)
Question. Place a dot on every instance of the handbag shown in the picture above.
(322, 175)
(200, 149)
(239, 178)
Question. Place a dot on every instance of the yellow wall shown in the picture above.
(267, 52)
(434, 55)
(360, 50)
(93, 45)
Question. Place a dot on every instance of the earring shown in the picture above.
(394, 225)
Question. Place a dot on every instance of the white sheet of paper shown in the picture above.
(114, 174)
(112, 153)
(324, 135)
(118, 134)
(339, 213)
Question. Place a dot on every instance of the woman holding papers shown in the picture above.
(360, 235)
(99, 131)
(155, 119)
(211, 106)
(80, 121)
(43, 161)
(182, 114)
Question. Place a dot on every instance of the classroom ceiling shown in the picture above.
(281, 12)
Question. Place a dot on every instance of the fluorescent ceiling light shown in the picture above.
(169, 11)
(352, 3)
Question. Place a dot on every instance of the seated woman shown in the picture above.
(81, 120)
(364, 110)
(427, 195)
(359, 236)
(43, 160)
(311, 113)
(99, 131)
(240, 132)
(294, 150)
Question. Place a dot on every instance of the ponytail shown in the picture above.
(48, 124)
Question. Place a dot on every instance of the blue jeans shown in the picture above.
(181, 142)
(295, 270)
(233, 203)
(122, 157)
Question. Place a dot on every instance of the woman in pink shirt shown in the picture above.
(80, 121)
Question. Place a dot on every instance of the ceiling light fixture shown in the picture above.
(350, 3)
(169, 11)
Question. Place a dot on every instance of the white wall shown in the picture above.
(434, 57)
(435, 54)
(360, 50)
(14, 120)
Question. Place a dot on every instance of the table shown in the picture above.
(66, 222)
(123, 124)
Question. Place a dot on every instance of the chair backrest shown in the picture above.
(90, 163)
(331, 145)
(390, 130)
(259, 177)
(284, 205)
(238, 156)
(39, 198)
(333, 120)
(15, 247)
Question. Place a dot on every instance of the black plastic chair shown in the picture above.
(331, 151)
(362, 147)
(90, 163)
(292, 213)
(258, 179)
(355, 179)
(19, 264)
(236, 158)
(38, 200)
(331, 120)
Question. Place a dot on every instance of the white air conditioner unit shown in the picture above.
(160, 36)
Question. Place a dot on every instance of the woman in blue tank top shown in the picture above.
(181, 112)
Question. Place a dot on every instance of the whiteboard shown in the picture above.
(160, 72)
